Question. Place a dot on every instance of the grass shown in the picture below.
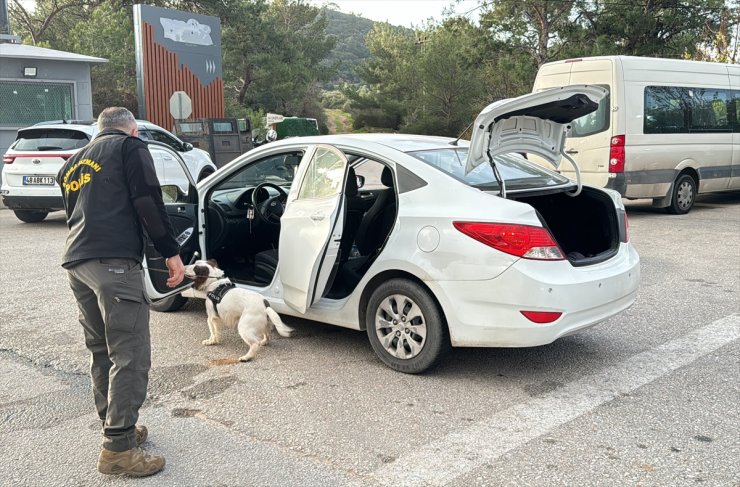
(339, 122)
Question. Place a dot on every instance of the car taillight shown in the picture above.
(520, 240)
(626, 228)
(542, 317)
(8, 159)
(616, 154)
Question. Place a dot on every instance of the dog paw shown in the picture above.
(245, 358)
(210, 341)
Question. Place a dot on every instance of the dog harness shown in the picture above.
(218, 294)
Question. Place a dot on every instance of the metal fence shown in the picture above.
(24, 103)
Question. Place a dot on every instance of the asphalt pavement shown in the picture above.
(649, 397)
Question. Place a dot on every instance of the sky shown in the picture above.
(404, 13)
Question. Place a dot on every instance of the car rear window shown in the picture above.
(50, 140)
(517, 172)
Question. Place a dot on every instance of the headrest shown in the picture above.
(386, 177)
(351, 189)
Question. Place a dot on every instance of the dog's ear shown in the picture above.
(212, 263)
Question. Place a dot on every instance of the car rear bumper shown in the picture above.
(33, 202)
(488, 313)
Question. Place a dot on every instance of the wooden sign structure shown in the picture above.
(178, 56)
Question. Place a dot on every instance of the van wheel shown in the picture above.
(405, 326)
(31, 216)
(684, 194)
(167, 305)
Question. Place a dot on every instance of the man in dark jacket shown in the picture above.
(111, 195)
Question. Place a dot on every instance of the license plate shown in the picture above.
(41, 180)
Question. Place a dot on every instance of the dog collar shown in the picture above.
(218, 294)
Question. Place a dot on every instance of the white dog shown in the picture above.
(228, 306)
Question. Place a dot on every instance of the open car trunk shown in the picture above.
(586, 226)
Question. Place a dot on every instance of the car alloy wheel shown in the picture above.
(405, 326)
(400, 326)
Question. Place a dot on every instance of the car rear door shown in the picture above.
(311, 227)
(181, 204)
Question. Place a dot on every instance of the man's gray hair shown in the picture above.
(116, 118)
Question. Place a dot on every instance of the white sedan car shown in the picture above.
(425, 242)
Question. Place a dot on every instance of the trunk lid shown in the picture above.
(535, 123)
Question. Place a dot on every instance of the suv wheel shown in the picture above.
(31, 216)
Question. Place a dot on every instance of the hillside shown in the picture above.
(350, 51)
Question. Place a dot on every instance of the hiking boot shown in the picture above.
(141, 434)
(134, 462)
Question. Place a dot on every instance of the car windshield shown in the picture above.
(517, 172)
(278, 169)
(50, 140)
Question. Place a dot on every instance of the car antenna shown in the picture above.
(454, 142)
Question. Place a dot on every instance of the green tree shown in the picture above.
(427, 81)
(656, 28)
(109, 33)
(449, 91)
(47, 23)
(387, 76)
(273, 56)
(527, 25)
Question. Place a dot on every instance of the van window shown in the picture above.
(733, 112)
(673, 110)
(594, 122)
(709, 109)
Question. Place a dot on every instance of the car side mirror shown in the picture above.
(187, 146)
(360, 181)
(171, 193)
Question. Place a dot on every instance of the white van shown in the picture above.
(668, 130)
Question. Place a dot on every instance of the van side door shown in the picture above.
(734, 115)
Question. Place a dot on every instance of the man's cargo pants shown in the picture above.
(115, 317)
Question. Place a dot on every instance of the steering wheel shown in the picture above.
(271, 209)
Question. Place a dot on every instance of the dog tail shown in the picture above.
(282, 329)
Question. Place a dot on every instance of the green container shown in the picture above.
(296, 127)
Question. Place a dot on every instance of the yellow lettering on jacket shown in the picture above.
(81, 179)
(78, 183)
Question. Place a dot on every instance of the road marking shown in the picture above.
(451, 456)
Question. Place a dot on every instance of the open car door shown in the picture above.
(181, 203)
(311, 227)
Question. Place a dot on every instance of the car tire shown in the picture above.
(168, 305)
(31, 216)
(409, 349)
(684, 195)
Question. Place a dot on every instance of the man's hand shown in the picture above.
(177, 270)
